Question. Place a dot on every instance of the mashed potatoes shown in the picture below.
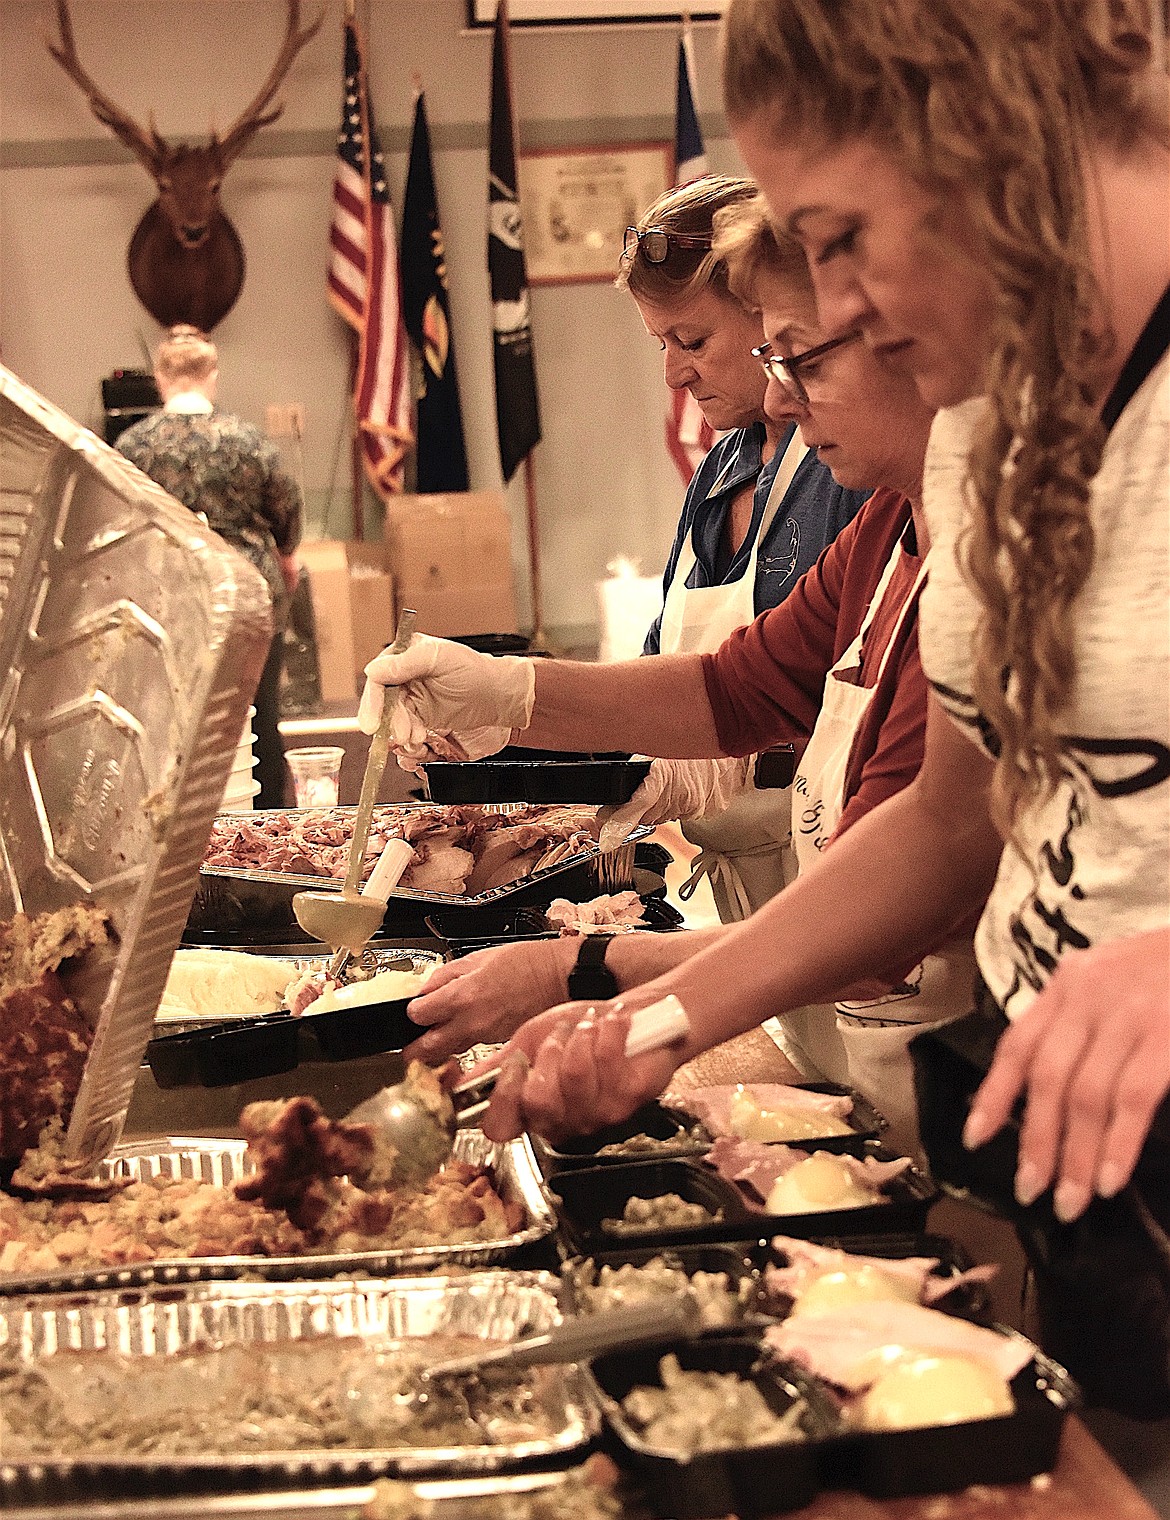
(750, 1119)
(384, 987)
(223, 984)
(818, 1183)
(843, 1287)
(919, 1389)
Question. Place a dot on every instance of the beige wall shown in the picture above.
(70, 198)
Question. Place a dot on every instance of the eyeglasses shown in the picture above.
(786, 371)
(655, 243)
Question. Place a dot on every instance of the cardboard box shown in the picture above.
(450, 557)
(328, 569)
(353, 610)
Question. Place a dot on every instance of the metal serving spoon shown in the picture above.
(347, 920)
(422, 1134)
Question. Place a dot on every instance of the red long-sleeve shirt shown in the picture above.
(766, 682)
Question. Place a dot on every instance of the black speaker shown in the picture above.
(127, 396)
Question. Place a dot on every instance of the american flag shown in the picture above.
(688, 433)
(364, 283)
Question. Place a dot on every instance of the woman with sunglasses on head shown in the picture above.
(833, 669)
(757, 513)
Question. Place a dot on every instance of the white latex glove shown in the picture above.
(473, 700)
(676, 789)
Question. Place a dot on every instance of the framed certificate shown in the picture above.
(576, 204)
(590, 12)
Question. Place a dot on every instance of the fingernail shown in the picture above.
(1111, 1179)
(1029, 1184)
(1070, 1201)
(977, 1129)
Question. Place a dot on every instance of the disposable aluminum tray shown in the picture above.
(490, 1306)
(131, 640)
(233, 900)
(220, 1162)
(483, 1497)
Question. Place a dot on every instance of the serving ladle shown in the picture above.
(420, 1131)
(347, 920)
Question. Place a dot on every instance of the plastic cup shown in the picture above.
(316, 772)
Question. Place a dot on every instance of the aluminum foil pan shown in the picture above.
(474, 1498)
(131, 640)
(229, 899)
(220, 1162)
(94, 1423)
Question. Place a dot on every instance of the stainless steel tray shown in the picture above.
(131, 639)
(120, 1333)
(220, 1162)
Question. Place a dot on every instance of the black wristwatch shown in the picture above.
(591, 979)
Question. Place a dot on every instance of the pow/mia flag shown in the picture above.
(517, 407)
(440, 452)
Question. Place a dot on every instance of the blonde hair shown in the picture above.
(689, 210)
(994, 103)
(185, 356)
(754, 252)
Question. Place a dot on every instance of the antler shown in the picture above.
(254, 116)
(146, 145)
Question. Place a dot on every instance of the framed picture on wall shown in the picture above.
(575, 12)
(577, 203)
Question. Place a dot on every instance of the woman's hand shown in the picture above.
(488, 995)
(1093, 1055)
(566, 1072)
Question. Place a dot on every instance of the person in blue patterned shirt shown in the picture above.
(225, 469)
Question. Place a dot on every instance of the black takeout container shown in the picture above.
(465, 930)
(970, 1300)
(239, 1050)
(589, 1195)
(1012, 1448)
(740, 1261)
(767, 1479)
(681, 1136)
(520, 775)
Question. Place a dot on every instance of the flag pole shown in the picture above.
(539, 637)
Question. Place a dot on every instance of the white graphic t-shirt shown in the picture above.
(1094, 863)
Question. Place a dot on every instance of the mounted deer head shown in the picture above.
(186, 261)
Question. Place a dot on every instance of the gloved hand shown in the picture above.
(676, 789)
(474, 700)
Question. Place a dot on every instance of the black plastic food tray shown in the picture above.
(658, 1120)
(240, 1050)
(745, 1481)
(587, 1196)
(540, 776)
(741, 1261)
(464, 930)
(893, 1464)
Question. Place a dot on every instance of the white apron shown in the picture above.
(747, 849)
(865, 1044)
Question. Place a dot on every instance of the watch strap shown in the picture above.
(590, 976)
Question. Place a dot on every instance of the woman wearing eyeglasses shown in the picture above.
(757, 514)
(834, 669)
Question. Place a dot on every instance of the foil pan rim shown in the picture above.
(176, 1271)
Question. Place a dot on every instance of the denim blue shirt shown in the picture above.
(814, 510)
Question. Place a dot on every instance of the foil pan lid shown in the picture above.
(131, 641)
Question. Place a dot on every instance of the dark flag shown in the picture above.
(439, 450)
(517, 407)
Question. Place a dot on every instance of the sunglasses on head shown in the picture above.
(655, 243)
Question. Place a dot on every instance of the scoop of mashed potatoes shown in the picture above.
(846, 1286)
(752, 1120)
(818, 1183)
(933, 1390)
(384, 987)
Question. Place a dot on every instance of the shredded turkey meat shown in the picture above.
(457, 850)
